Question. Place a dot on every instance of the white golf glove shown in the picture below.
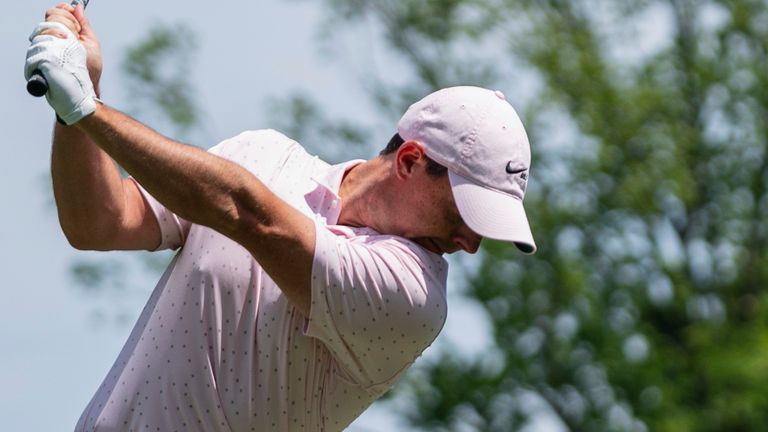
(63, 64)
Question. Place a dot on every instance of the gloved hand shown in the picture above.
(62, 62)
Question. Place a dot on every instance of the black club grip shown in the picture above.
(37, 86)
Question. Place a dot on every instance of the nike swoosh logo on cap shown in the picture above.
(512, 170)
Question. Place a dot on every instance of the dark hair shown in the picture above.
(433, 168)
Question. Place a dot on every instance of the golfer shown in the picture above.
(301, 291)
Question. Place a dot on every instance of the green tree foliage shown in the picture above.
(158, 75)
(645, 307)
(302, 119)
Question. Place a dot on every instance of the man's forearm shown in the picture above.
(191, 182)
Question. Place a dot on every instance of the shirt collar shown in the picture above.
(330, 178)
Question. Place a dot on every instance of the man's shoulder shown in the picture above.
(261, 150)
(265, 140)
(270, 135)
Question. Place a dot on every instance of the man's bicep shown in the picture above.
(137, 229)
(147, 224)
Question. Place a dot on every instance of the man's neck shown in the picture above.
(360, 192)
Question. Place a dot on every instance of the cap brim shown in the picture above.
(492, 214)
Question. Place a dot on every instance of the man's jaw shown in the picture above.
(430, 245)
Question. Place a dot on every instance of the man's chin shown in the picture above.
(429, 245)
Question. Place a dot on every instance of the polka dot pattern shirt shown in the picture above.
(219, 348)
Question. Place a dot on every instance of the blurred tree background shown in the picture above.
(644, 308)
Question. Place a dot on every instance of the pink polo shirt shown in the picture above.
(218, 347)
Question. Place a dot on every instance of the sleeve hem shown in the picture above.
(157, 209)
(309, 329)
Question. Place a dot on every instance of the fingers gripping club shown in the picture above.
(37, 86)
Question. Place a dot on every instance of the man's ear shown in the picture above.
(409, 157)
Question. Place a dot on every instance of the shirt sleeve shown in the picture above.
(173, 229)
(377, 302)
(260, 152)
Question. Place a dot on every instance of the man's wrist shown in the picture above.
(86, 122)
(97, 101)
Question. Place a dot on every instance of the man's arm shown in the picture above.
(197, 186)
(97, 209)
(208, 190)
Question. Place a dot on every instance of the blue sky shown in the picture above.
(54, 353)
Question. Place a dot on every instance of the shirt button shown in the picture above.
(500, 95)
(335, 203)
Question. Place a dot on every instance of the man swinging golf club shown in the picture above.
(301, 290)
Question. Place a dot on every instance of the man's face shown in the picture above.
(429, 215)
(444, 229)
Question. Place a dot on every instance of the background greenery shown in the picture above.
(644, 308)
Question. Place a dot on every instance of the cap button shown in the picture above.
(500, 95)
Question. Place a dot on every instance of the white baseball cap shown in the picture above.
(477, 135)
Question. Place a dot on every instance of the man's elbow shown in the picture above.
(88, 238)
